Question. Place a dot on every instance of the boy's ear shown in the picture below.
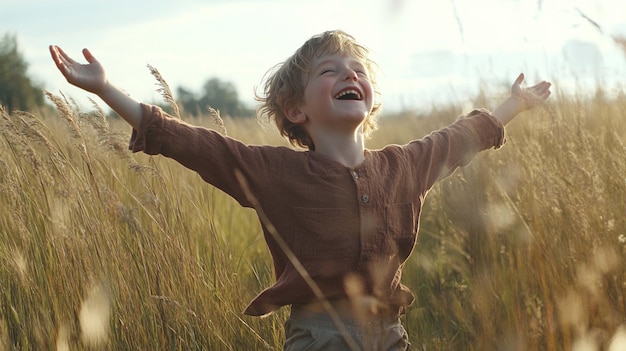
(294, 114)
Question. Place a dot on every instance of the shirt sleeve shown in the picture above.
(214, 157)
(439, 154)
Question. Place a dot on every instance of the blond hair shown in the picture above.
(284, 84)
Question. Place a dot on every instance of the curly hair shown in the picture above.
(284, 84)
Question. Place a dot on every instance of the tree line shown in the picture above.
(18, 91)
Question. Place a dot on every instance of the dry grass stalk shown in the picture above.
(217, 119)
(100, 112)
(164, 90)
(64, 109)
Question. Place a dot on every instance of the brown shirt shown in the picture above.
(338, 221)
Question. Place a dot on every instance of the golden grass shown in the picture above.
(103, 249)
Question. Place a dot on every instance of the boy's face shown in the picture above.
(337, 94)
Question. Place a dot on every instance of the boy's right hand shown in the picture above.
(93, 78)
(90, 76)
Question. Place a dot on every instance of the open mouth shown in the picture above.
(349, 94)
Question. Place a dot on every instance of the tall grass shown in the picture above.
(102, 249)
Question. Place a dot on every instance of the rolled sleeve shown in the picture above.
(489, 131)
(147, 137)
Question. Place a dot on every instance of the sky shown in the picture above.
(430, 52)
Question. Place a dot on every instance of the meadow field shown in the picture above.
(102, 249)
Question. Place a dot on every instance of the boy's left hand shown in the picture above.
(531, 96)
(521, 99)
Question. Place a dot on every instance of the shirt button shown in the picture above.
(365, 198)
(355, 175)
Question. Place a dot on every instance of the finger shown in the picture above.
(542, 93)
(89, 56)
(64, 58)
(543, 86)
(540, 86)
(519, 79)
(54, 53)
(547, 85)
(56, 57)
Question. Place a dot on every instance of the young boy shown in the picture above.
(349, 215)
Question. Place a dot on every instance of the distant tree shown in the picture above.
(17, 90)
(217, 94)
(188, 101)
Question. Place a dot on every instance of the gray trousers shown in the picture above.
(306, 331)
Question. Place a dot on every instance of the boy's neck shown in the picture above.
(349, 151)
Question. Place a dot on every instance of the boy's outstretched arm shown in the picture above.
(521, 99)
(92, 77)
